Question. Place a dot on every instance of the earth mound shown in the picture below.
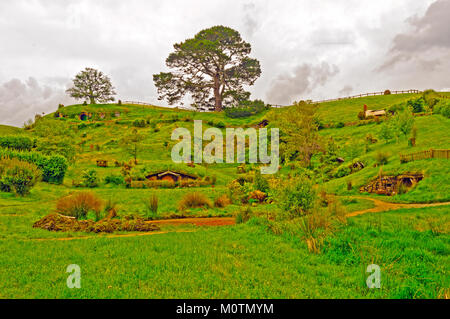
(58, 222)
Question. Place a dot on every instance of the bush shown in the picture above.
(257, 196)
(222, 201)
(342, 171)
(53, 167)
(297, 196)
(387, 92)
(151, 204)
(443, 108)
(20, 143)
(90, 178)
(79, 205)
(139, 123)
(260, 182)
(382, 158)
(114, 179)
(245, 109)
(18, 176)
(194, 200)
(417, 105)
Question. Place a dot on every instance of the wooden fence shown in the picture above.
(356, 96)
(431, 153)
(368, 94)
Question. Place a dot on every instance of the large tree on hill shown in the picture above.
(212, 67)
(91, 84)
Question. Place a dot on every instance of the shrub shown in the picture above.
(139, 123)
(417, 105)
(257, 196)
(18, 176)
(260, 183)
(246, 108)
(340, 125)
(443, 108)
(382, 158)
(114, 179)
(79, 205)
(297, 196)
(222, 201)
(194, 200)
(342, 171)
(151, 205)
(20, 143)
(53, 167)
(387, 92)
(90, 178)
(220, 125)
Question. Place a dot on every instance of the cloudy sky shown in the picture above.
(307, 49)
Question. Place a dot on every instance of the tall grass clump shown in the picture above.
(151, 205)
(222, 201)
(194, 200)
(79, 205)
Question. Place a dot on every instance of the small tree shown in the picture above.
(405, 122)
(93, 85)
(386, 131)
(299, 135)
(132, 144)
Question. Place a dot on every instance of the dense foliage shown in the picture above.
(20, 143)
(18, 176)
(53, 167)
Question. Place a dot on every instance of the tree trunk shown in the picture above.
(217, 95)
(92, 100)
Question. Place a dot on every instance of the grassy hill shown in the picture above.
(257, 259)
(10, 130)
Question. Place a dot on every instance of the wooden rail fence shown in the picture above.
(431, 153)
(368, 94)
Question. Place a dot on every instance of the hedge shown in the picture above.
(21, 143)
(53, 167)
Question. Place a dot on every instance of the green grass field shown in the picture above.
(248, 260)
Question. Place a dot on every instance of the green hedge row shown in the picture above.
(21, 143)
(53, 167)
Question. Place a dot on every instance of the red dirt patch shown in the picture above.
(208, 221)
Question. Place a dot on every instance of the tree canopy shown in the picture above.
(91, 84)
(212, 67)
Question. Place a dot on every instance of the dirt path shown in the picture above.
(207, 221)
(114, 235)
(381, 206)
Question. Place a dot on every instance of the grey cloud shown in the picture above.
(20, 99)
(430, 36)
(250, 18)
(346, 90)
(304, 79)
